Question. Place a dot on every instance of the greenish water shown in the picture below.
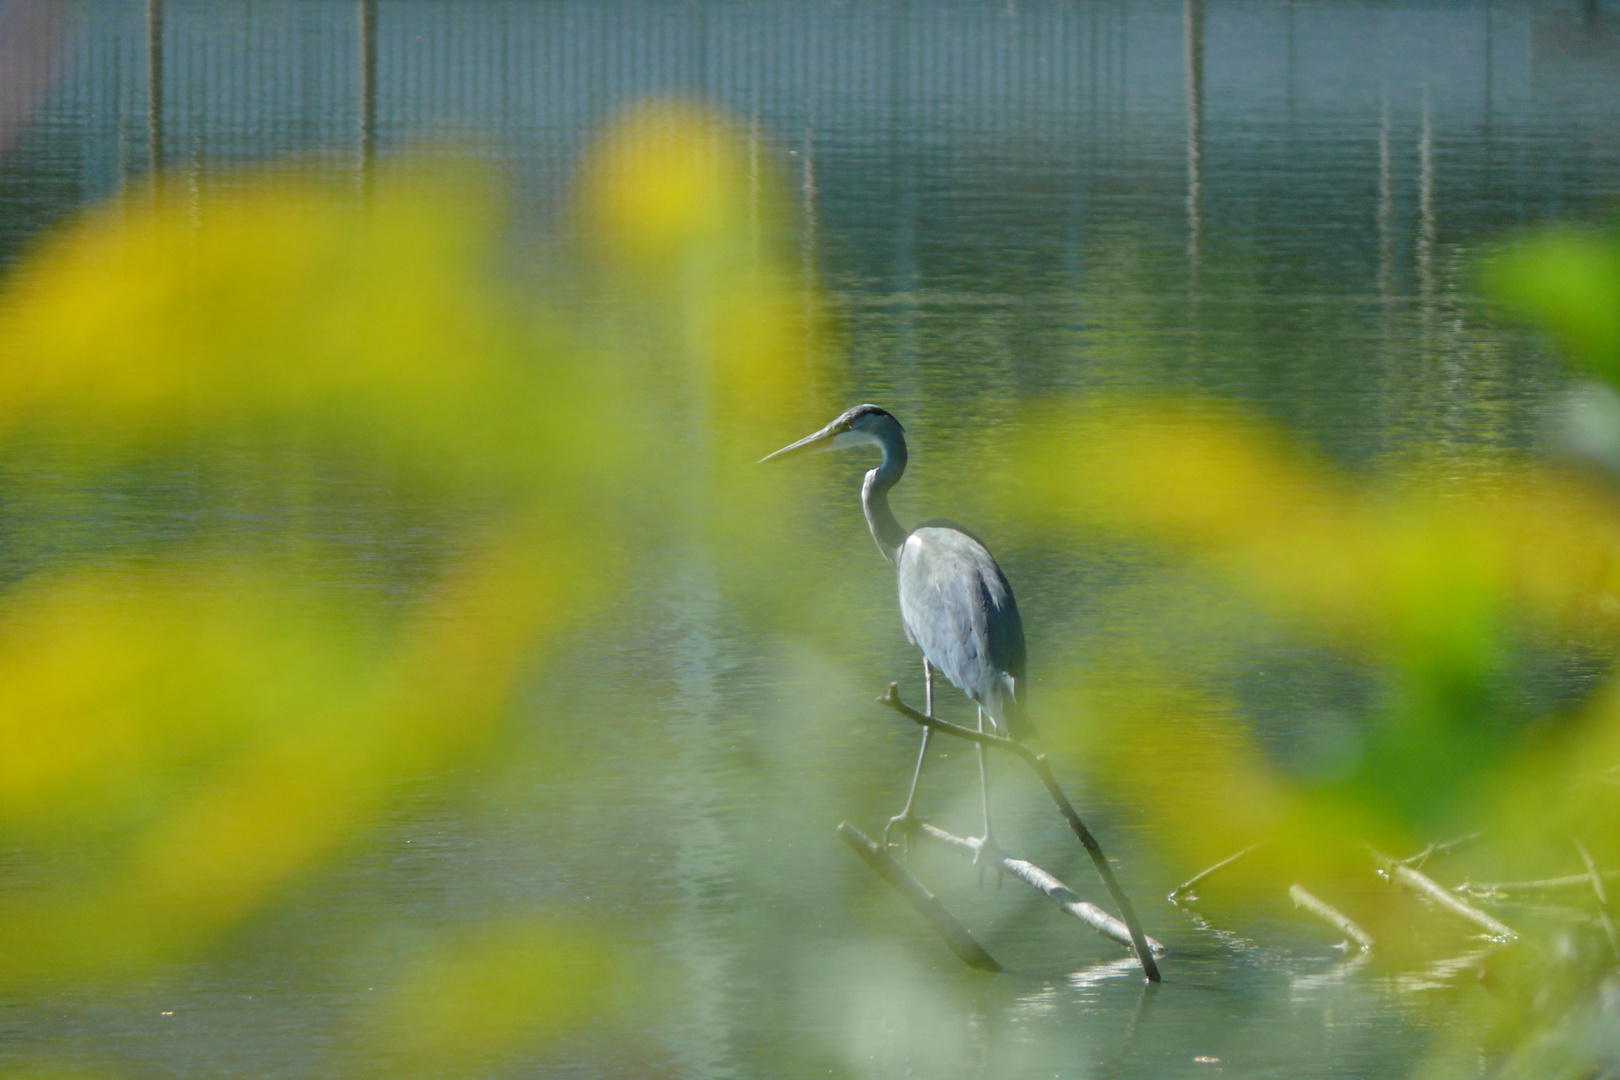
(1005, 203)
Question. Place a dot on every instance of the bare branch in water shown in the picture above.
(1037, 762)
(1181, 891)
(1331, 915)
(1440, 896)
(1487, 890)
(917, 894)
(1026, 871)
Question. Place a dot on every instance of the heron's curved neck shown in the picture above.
(886, 530)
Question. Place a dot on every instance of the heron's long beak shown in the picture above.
(821, 440)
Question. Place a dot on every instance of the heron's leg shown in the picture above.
(987, 847)
(904, 818)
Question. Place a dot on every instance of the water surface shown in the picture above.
(1275, 205)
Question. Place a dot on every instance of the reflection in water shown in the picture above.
(31, 33)
(1426, 231)
(807, 219)
(1112, 970)
(368, 89)
(1311, 987)
(1194, 20)
(1386, 218)
(154, 90)
(703, 853)
(1446, 973)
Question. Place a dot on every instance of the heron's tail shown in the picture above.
(1011, 715)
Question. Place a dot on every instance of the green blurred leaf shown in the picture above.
(1567, 282)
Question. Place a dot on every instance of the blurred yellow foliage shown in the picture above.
(227, 737)
(292, 313)
(503, 987)
(1366, 565)
(183, 737)
(679, 206)
(668, 188)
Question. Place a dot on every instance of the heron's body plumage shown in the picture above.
(958, 608)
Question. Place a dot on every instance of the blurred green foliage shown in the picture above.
(1567, 281)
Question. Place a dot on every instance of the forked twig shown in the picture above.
(1418, 861)
(917, 894)
(1037, 762)
(1026, 871)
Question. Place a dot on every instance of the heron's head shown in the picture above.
(864, 425)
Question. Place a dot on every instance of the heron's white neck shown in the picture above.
(886, 530)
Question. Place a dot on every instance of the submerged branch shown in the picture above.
(917, 894)
(1026, 871)
(1193, 882)
(1602, 898)
(1037, 762)
(1330, 915)
(1484, 890)
(1418, 861)
(1440, 896)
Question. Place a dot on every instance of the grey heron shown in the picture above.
(955, 602)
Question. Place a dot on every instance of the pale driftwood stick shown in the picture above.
(1417, 861)
(1592, 874)
(1060, 894)
(1440, 896)
(1547, 913)
(1486, 889)
(1193, 882)
(1602, 897)
(1037, 762)
(1330, 915)
(956, 936)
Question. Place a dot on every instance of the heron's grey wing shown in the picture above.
(958, 607)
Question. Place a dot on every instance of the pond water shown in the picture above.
(1275, 205)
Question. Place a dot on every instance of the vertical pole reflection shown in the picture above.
(368, 91)
(1388, 390)
(1490, 57)
(903, 158)
(1194, 24)
(1291, 72)
(33, 32)
(1426, 230)
(154, 89)
(753, 184)
(1386, 218)
(808, 253)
